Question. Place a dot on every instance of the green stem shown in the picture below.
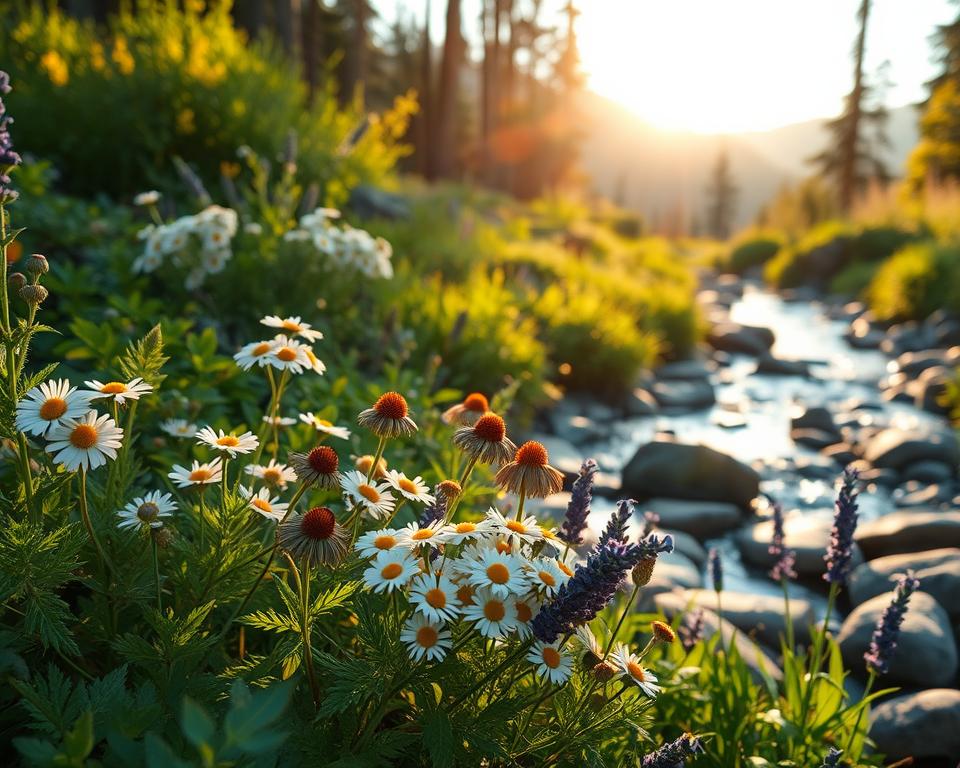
(856, 726)
(723, 642)
(381, 444)
(304, 585)
(486, 678)
(85, 514)
(815, 661)
(156, 570)
(523, 498)
(623, 617)
(786, 613)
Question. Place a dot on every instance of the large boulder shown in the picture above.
(919, 725)
(671, 572)
(686, 370)
(937, 569)
(683, 471)
(687, 395)
(777, 366)
(746, 339)
(895, 448)
(815, 417)
(701, 519)
(807, 536)
(902, 532)
(926, 652)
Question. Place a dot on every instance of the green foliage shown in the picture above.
(915, 281)
(754, 251)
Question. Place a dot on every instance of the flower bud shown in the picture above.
(17, 280)
(34, 294)
(604, 671)
(163, 536)
(643, 571)
(37, 264)
(662, 633)
(449, 489)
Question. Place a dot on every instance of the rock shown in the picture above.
(641, 402)
(807, 536)
(701, 519)
(759, 616)
(775, 366)
(686, 395)
(913, 494)
(902, 532)
(816, 417)
(895, 448)
(745, 339)
(918, 725)
(813, 438)
(930, 388)
(682, 471)
(368, 202)
(576, 430)
(927, 472)
(728, 420)
(862, 335)
(908, 337)
(915, 363)
(759, 659)
(686, 370)
(671, 572)
(937, 569)
(926, 652)
(842, 453)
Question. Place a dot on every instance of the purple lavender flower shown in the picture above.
(592, 586)
(433, 512)
(885, 636)
(832, 760)
(616, 529)
(673, 754)
(8, 158)
(715, 566)
(786, 559)
(578, 509)
(840, 550)
(691, 629)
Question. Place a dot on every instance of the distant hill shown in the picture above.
(664, 175)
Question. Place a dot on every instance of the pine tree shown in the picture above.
(722, 198)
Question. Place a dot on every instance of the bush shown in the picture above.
(916, 281)
(168, 82)
(753, 252)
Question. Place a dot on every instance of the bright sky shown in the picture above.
(724, 66)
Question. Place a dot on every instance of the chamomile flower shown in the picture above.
(552, 663)
(119, 391)
(435, 596)
(179, 428)
(567, 562)
(525, 530)
(85, 442)
(589, 643)
(255, 353)
(274, 473)
(628, 665)
(215, 260)
(390, 570)
(150, 197)
(425, 639)
(373, 543)
(551, 539)
(230, 444)
(415, 535)
(324, 426)
(503, 574)
(289, 355)
(466, 594)
(414, 490)
(292, 326)
(207, 473)
(527, 607)
(545, 576)
(261, 501)
(48, 405)
(147, 511)
(316, 364)
(458, 533)
(495, 616)
(279, 421)
(374, 497)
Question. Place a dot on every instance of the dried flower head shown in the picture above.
(37, 264)
(314, 537)
(643, 571)
(389, 416)
(662, 632)
(604, 671)
(17, 280)
(486, 441)
(34, 294)
(319, 467)
(529, 473)
(466, 413)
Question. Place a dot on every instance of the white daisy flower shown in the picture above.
(550, 539)
(293, 326)
(214, 261)
(525, 530)
(270, 507)
(458, 533)
(274, 473)
(495, 616)
(85, 442)
(628, 665)
(527, 607)
(552, 663)
(589, 641)
(435, 596)
(48, 405)
(231, 444)
(413, 535)
(179, 428)
(372, 543)
(568, 562)
(374, 497)
(118, 390)
(279, 421)
(425, 639)
(150, 197)
(322, 425)
(316, 364)
(147, 511)
(414, 490)
(502, 573)
(255, 353)
(289, 355)
(545, 575)
(207, 473)
(147, 262)
(390, 570)
(216, 239)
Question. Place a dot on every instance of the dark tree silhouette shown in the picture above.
(721, 198)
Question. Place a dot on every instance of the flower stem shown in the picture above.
(304, 585)
(85, 514)
(786, 613)
(523, 498)
(856, 726)
(815, 661)
(723, 642)
(156, 570)
(381, 444)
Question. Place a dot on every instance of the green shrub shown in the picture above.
(754, 252)
(853, 280)
(917, 280)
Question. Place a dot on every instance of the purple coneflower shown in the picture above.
(786, 559)
(884, 640)
(616, 529)
(840, 550)
(673, 754)
(530, 474)
(575, 521)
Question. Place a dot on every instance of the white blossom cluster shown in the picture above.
(344, 245)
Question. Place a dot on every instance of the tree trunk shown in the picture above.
(848, 171)
(311, 48)
(287, 20)
(425, 132)
(446, 139)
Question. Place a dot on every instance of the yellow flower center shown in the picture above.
(323, 423)
(547, 578)
(498, 573)
(503, 546)
(83, 436)
(113, 388)
(53, 408)
(385, 542)
(148, 511)
(436, 598)
(494, 610)
(465, 527)
(228, 441)
(465, 594)
(551, 657)
(636, 671)
(261, 349)
(369, 493)
(272, 475)
(516, 526)
(427, 637)
(289, 325)
(524, 613)
(548, 534)
(200, 475)
(407, 485)
(564, 568)
(391, 570)
(263, 505)
(287, 354)
(423, 534)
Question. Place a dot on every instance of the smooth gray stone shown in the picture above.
(919, 725)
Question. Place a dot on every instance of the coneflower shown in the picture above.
(314, 537)
(840, 550)
(673, 754)
(578, 510)
(389, 416)
(486, 441)
(885, 636)
(466, 413)
(530, 474)
(618, 523)
(320, 467)
(786, 559)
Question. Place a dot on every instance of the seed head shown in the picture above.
(34, 295)
(37, 264)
